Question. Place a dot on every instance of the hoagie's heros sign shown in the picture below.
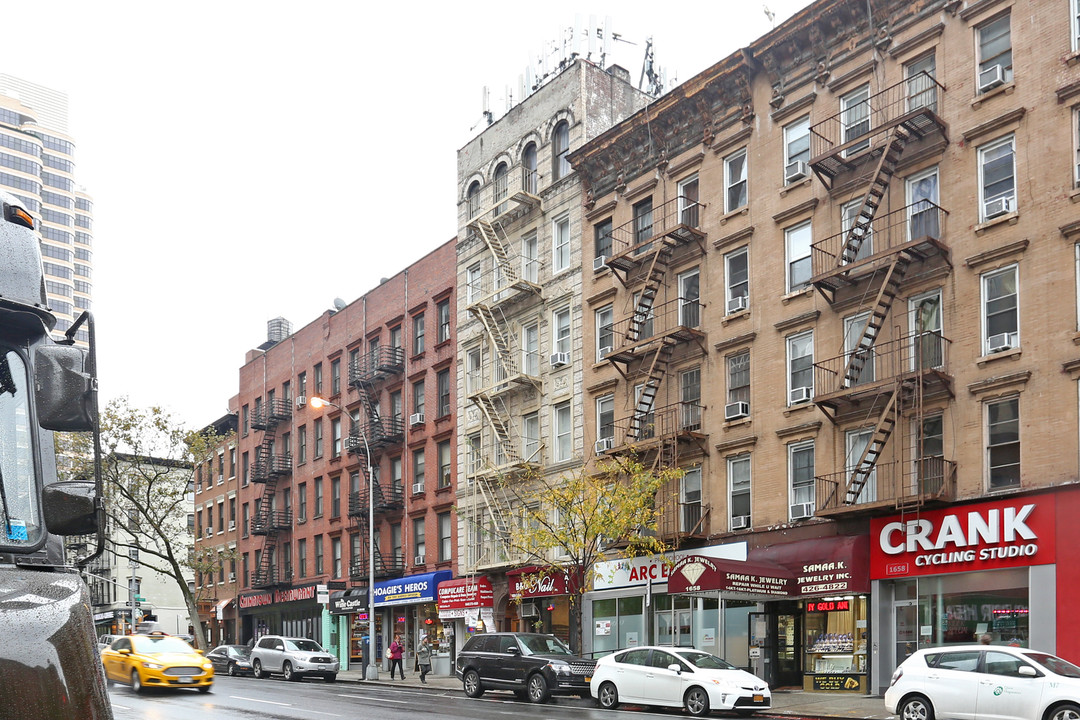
(1017, 532)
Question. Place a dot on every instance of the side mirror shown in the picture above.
(674, 667)
(1026, 671)
(514, 650)
(70, 508)
(63, 388)
(124, 651)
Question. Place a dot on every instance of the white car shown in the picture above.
(969, 682)
(677, 677)
(294, 658)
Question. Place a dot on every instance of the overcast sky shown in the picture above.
(250, 160)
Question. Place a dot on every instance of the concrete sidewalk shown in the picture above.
(785, 703)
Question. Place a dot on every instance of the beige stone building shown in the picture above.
(834, 278)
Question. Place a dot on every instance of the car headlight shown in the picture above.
(152, 666)
(560, 669)
(208, 666)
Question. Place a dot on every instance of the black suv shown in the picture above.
(532, 665)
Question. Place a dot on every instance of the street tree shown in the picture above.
(567, 525)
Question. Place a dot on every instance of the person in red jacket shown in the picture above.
(396, 651)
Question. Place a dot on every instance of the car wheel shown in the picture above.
(538, 688)
(1067, 711)
(232, 669)
(696, 701)
(256, 667)
(471, 682)
(330, 678)
(608, 696)
(204, 688)
(136, 681)
(287, 671)
(916, 707)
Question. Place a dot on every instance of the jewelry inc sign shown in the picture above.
(984, 536)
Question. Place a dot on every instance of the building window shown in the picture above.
(443, 311)
(738, 472)
(997, 178)
(529, 171)
(1076, 144)
(472, 200)
(1001, 314)
(689, 298)
(861, 359)
(530, 349)
(738, 372)
(605, 334)
(561, 321)
(922, 198)
(318, 497)
(856, 442)
(418, 458)
(643, 224)
(419, 541)
(245, 420)
(446, 545)
(442, 382)
(473, 283)
(800, 354)
(418, 334)
(690, 500)
(475, 460)
(446, 469)
(921, 88)
(801, 479)
(602, 238)
(397, 552)
(1003, 443)
(474, 370)
(530, 437)
(560, 244)
(335, 377)
(995, 54)
(335, 497)
(500, 187)
(301, 502)
(301, 445)
(317, 379)
(395, 337)
(301, 384)
(301, 558)
(530, 258)
(335, 437)
(317, 437)
(245, 518)
(849, 214)
(317, 541)
(562, 419)
(418, 397)
(396, 477)
(605, 420)
(797, 241)
(735, 181)
(396, 408)
(560, 148)
(690, 400)
(689, 209)
(737, 277)
(855, 119)
(797, 150)
(335, 554)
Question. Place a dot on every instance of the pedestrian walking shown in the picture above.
(423, 658)
(396, 652)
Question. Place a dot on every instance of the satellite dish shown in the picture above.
(339, 304)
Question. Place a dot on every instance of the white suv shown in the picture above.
(293, 658)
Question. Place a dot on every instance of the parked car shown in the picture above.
(231, 659)
(533, 665)
(106, 640)
(984, 681)
(156, 660)
(294, 658)
(677, 677)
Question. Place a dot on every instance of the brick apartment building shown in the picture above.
(385, 363)
(834, 277)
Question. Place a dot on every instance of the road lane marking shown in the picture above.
(325, 713)
(121, 707)
(376, 699)
(268, 702)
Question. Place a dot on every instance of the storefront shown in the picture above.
(223, 623)
(988, 568)
(409, 610)
(542, 599)
(465, 606)
(289, 611)
(349, 608)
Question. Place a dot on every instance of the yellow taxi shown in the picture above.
(156, 659)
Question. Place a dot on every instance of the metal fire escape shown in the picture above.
(270, 465)
(867, 263)
(374, 433)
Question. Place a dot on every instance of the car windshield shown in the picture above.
(705, 661)
(240, 651)
(543, 645)
(162, 644)
(303, 645)
(20, 524)
(1055, 664)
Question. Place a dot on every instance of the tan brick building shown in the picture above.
(839, 288)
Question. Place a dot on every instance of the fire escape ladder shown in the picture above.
(890, 286)
(493, 326)
(498, 510)
(860, 473)
(653, 280)
(497, 415)
(878, 186)
(643, 411)
(496, 242)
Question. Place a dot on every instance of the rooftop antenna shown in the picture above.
(487, 116)
(652, 72)
(770, 14)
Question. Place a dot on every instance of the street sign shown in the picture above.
(137, 603)
(140, 598)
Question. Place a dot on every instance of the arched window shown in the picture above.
(530, 180)
(473, 198)
(502, 173)
(560, 148)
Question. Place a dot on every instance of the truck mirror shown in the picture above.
(70, 508)
(63, 388)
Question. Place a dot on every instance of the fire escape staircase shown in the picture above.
(654, 278)
(638, 427)
(884, 172)
(883, 430)
(499, 246)
(862, 352)
(494, 328)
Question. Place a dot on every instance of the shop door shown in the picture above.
(674, 625)
(788, 664)
(907, 628)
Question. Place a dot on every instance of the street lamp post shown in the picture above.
(372, 670)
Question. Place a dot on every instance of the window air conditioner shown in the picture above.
(604, 444)
(416, 419)
(232, 577)
(301, 401)
(599, 263)
(800, 395)
(604, 352)
(1001, 341)
(740, 522)
(528, 610)
(736, 304)
(418, 488)
(998, 206)
(796, 171)
(232, 525)
(801, 511)
(991, 77)
(560, 359)
(736, 410)
(418, 560)
(209, 532)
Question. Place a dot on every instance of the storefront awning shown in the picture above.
(822, 566)
(344, 602)
(219, 609)
(456, 597)
(752, 579)
(411, 589)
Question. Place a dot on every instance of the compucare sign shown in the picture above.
(1016, 532)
